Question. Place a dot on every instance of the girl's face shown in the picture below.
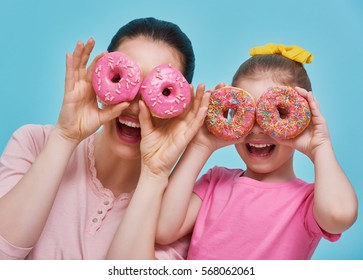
(266, 160)
(122, 135)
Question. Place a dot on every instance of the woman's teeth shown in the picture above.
(129, 123)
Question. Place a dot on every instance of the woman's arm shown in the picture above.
(180, 205)
(25, 208)
(160, 149)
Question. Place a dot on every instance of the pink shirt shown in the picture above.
(242, 218)
(85, 215)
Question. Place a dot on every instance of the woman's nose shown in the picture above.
(134, 104)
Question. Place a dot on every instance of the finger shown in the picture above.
(85, 57)
(197, 121)
(197, 99)
(203, 108)
(111, 112)
(316, 115)
(302, 92)
(69, 79)
(312, 103)
(77, 53)
(145, 119)
(221, 85)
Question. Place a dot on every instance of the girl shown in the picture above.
(263, 212)
(65, 191)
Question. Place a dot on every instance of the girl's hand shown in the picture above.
(80, 115)
(316, 134)
(161, 146)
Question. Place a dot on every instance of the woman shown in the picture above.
(65, 191)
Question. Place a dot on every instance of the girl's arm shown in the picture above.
(335, 201)
(160, 149)
(25, 208)
(180, 206)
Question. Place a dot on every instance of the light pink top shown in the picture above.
(242, 218)
(85, 215)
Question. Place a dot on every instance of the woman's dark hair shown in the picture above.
(283, 70)
(159, 30)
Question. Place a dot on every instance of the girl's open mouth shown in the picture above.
(260, 150)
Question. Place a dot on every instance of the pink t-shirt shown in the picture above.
(85, 215)
(242, 218)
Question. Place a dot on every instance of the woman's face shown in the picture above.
(122, 135)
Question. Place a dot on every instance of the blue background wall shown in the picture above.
(35, 35)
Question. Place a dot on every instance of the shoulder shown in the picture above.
(221, 172)
(27, 139)
(31, 135)
(218, 174)
(222, 169)
(33, 130)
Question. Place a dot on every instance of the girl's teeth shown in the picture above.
(260, 145)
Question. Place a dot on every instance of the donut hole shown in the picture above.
(115, 78)
(166, 92)
(229, 114)
(283, 112)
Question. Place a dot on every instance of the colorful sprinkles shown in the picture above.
(231, 113)
(282, 112)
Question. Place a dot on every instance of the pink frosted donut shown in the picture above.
(282, 112)
(231, 113)
(165, 91)
(116, 78)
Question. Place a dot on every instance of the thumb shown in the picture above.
(145, 119)
(111, 112)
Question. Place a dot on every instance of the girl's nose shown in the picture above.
(256, 129)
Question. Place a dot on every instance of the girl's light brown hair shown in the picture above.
(283, 70)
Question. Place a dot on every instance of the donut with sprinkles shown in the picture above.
(165, 91)
(231, 113)
(282, 112)
(116, 78)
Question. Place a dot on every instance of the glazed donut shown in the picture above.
(116, 78)
(231, 113)
(165, 91)
(282, 112)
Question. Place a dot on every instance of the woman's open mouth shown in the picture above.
(128, 129)
(260, 150)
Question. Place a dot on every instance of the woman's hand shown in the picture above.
(162, 145)
(80, 115)
(316, 134)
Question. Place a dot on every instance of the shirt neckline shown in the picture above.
(240, 178)
(97, 186)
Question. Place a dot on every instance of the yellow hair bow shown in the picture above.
(294, 53)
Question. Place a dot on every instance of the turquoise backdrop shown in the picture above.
(35, 36)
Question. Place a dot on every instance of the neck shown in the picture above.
(118, 174)
(283, 173)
